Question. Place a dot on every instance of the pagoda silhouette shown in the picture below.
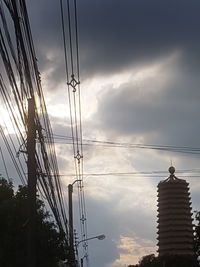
(175, 228)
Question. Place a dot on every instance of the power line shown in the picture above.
(111, 144)
(23, 77)
(153, 173)
(72, 68)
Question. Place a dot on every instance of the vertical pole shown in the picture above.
(71, 228)
(31, 164)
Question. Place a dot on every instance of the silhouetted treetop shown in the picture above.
(13, 230)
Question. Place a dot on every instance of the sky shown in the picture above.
(139, 68)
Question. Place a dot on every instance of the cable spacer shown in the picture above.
(73, 83)
(78, 157)
(83, 219)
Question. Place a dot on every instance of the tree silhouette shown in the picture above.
(13, 230)
(167, 261)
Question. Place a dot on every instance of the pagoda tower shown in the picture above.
(175, 228)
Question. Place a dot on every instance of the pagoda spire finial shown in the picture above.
(171, 170)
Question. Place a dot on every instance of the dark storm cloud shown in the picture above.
(116, 34)
(166, 115)
(121, 33)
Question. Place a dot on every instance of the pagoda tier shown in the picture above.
(175, 228)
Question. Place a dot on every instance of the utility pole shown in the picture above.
(71, 259)
(32, 180)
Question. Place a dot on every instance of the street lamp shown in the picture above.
(99, 237)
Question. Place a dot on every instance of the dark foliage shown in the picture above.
(180, 261)
(13, 231)
(167, 261)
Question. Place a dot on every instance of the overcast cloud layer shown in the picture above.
(115, 34)
(139, 64)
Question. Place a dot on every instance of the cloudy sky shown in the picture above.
(139, 64)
